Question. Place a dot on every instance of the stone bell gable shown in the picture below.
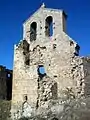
(46, 60)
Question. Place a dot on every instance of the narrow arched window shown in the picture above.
(33, 31)
(49, 26)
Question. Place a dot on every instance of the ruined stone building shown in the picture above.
(46, 60)
(5, 83)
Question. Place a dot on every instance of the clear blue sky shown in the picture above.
(14, 12)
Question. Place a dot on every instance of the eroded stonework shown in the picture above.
(46, 45)
(47, 90)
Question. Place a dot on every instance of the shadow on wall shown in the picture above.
(5, 83)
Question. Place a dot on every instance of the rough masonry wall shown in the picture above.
(60, 64)
(47, 90)
(77, 73)
(24, 78)
(58, 54)
(86, 64)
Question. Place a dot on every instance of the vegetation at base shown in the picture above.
(73, 109)
(5, 107)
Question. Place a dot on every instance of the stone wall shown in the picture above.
(58, 54)
(47, 90)
(86, 63)
(5, 83)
